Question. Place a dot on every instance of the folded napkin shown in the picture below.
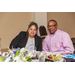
(70, 56)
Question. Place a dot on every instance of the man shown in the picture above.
(57, 41)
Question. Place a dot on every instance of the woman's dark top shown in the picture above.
(21, 40)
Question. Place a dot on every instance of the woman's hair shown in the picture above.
(31, 24)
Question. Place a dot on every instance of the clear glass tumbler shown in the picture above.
(41, 57)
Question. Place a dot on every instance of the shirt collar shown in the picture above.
(53, 34)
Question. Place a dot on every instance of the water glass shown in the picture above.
(41, 57)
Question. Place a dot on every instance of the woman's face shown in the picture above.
(32, 31)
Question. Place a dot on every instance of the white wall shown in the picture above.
(40, 18)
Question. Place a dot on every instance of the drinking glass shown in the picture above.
(41, 57)
(35, 48)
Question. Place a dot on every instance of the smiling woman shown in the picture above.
(32, 29)
(30, 40)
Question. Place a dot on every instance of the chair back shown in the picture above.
(42, 30)
(73, 41)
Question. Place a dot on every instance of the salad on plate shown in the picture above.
(54, 57)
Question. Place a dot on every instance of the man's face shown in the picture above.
(52, 27)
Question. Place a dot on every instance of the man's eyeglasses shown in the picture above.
(51, 26)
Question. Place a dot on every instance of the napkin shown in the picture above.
(70, 56)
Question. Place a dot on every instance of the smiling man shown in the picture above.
(57, 41)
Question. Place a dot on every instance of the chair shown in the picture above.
(43, 32)
(73, 41)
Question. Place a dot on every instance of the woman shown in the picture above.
(30, 40)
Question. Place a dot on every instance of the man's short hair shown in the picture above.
(52, 20)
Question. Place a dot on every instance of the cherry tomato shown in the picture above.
(51, 57)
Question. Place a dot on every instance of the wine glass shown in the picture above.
(35, 48)
(34, 52)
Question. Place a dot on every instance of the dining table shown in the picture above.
(68, 58)
(4, 50)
